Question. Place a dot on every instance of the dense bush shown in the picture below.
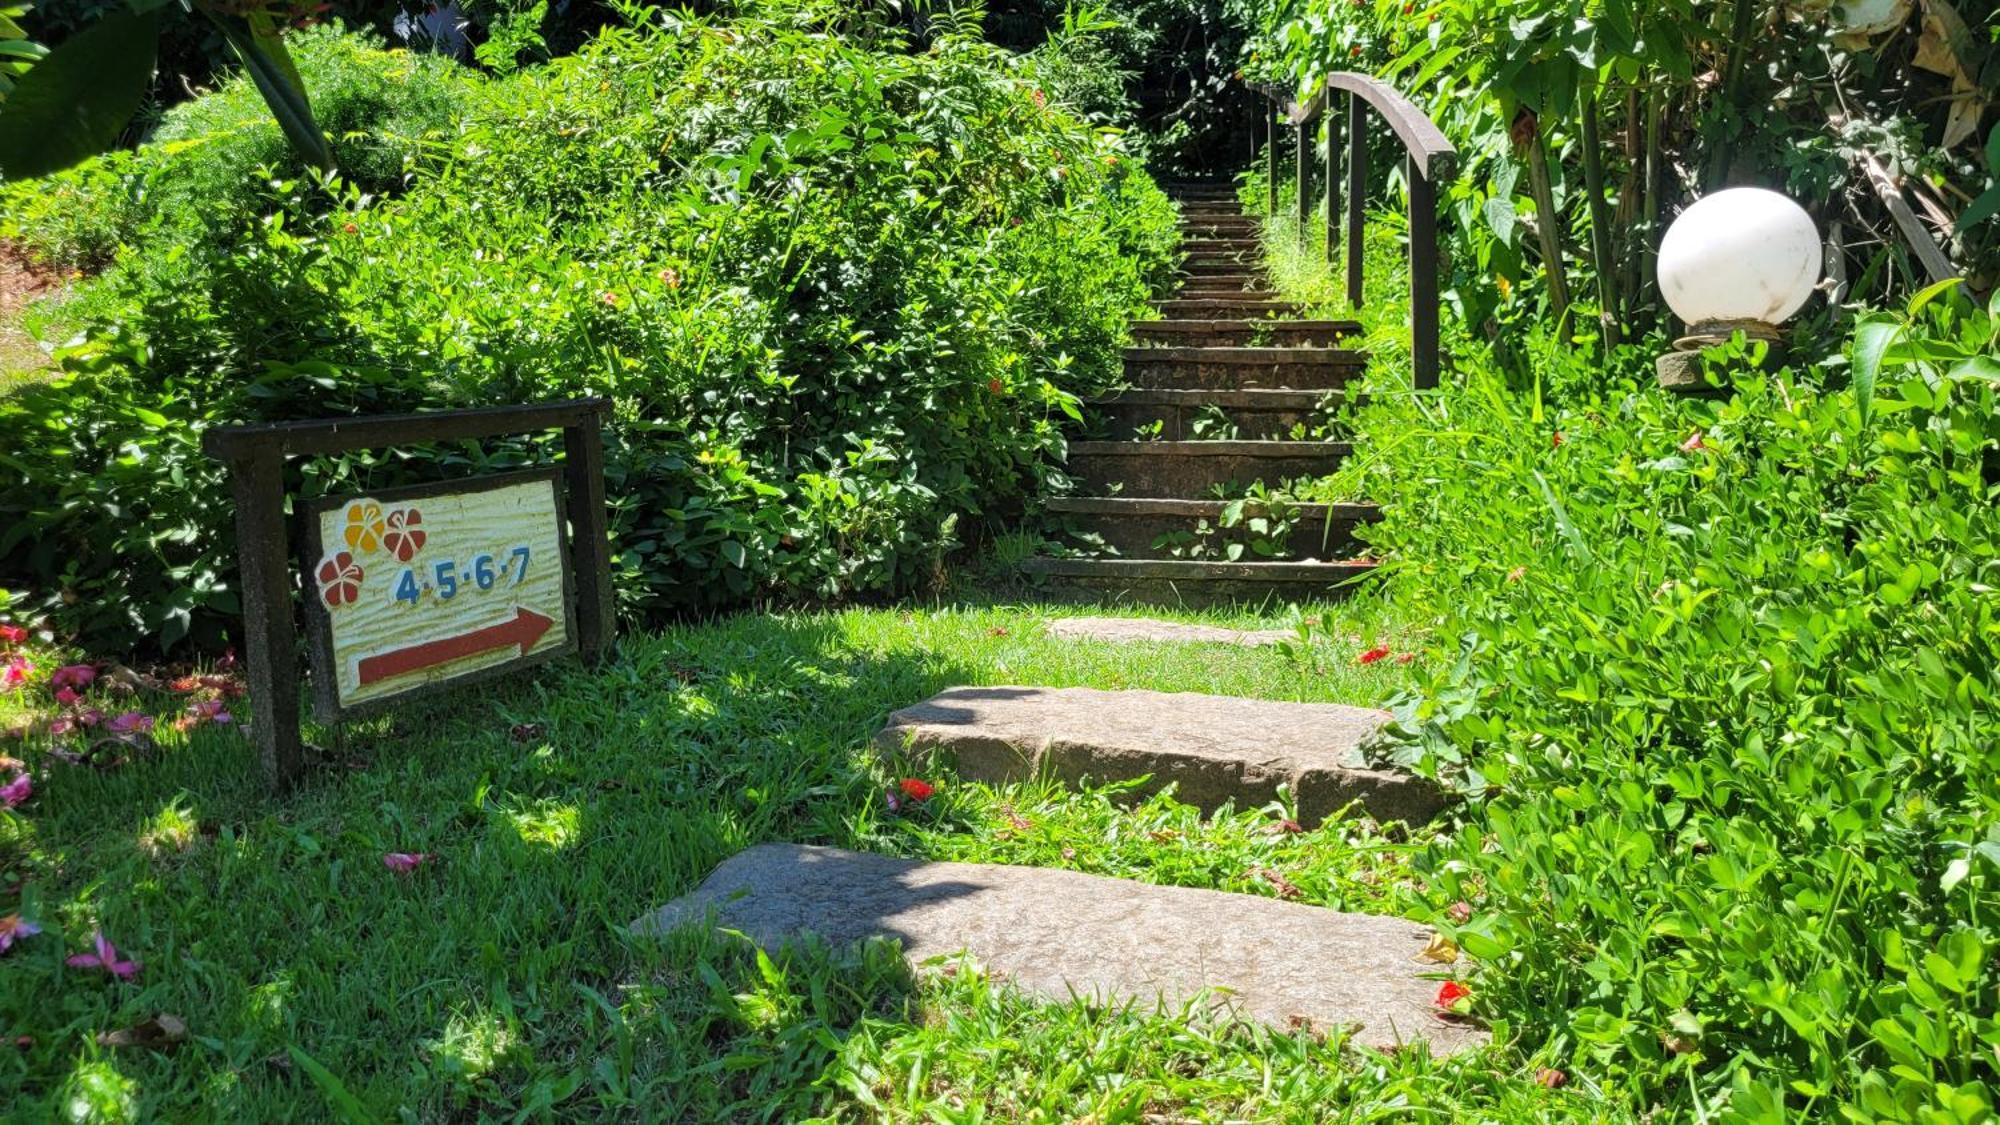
(1724, 704)
(842, 293)
(201, 174)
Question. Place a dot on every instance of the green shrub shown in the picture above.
(1724, 705)
(197, 177)
(843, 293)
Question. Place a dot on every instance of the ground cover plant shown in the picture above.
(434, 927)
(843, 288)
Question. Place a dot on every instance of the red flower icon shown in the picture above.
(340, 580)
(404, 537)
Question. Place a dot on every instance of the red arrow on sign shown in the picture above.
(523, 630)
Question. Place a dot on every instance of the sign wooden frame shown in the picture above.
(256, 455)
(319, 620)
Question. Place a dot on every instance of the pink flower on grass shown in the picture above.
(1695, 444)
(14, 928)
(89, 717)
(104, 956)
(73, 677)
(210, 711)
(131, 722)
(13, 634)
(16, 791)
(15, 672)
(402, 863)
(67, 696)
(62, 726)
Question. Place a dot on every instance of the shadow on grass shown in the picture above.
(496, 977)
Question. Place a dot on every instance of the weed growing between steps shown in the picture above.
(495, 979)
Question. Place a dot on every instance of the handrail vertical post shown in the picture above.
(1332, 179)
(1304, 177)
(1271, 164)
(1423, 276)
(1357, 192)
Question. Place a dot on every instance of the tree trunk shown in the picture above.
(1548, 224)
(1601, 254)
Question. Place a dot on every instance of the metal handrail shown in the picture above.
(1429, 158)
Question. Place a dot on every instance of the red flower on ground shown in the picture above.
(915, 790)
(404, 537)
(13, 634)
(1450, 994)
(340, 580)
(1556, 440)
(1379, 652)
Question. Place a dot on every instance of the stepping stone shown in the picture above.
(1058, 934)
(1129, 629)
(1214, 749)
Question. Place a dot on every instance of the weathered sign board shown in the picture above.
(410, 590)
(419, 587)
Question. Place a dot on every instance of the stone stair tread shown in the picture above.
(1195, 583)
(1198, 448)
(1253, 398)
(1152, 630)
(1237, 309)
(1060, 934)
(1260, 356)
(1193, 509)
(1215, 750)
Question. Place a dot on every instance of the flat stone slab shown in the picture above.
(1061, 933)
(1213, 749)
(1127, 629)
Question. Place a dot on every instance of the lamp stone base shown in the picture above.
(1680, 372)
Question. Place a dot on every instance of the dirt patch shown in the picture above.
(22, 283)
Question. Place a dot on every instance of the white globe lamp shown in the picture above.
(1739, 260)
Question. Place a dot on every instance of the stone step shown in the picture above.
(1300, 369)
(1132, 526)
(1192, 468)
(1213, 208)
(1236, 247)
(1210, 309)
(1194, 584)
(1243, 228)
(1221, 269)
(1064, 935)
(1254, 413)
(1215, 750)
(1224, 289)
(1152, 630)
(1245, 333)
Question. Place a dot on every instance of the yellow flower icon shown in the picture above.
(364, 526)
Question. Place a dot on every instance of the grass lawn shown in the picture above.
(497, 980)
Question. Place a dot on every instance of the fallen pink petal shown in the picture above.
(130, 722)
(104, 956)
(67, 696)
(16, 791)
(73, 677)
(405, 862)
(209, 711)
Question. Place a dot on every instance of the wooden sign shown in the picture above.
(420, 587)
(414, 588)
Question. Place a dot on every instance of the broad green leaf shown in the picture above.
(1871, 340)
(73, 104)
(271, 68)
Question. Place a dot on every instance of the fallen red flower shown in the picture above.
(1450, 993)
(916, 790)
(1379, 652)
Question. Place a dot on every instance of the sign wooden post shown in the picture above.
(412, 589)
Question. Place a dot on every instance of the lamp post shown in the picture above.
(1739, 260)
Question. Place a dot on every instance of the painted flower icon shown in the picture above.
(364, 526)
(340, 580)
(104, 956)
(405, 535)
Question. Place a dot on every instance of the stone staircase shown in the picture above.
(1218, 394)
